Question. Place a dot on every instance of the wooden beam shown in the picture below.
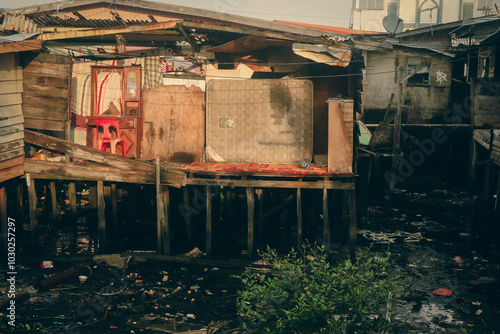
(320, 184)
(93, 196)
(90, 172)
(258, 32)
(496, 215)
(487, 188)
(340, 147)
(50, 36)
(472, 163)
(251, 213)
(299, 217)
(72, 201)
(168, 176)
(208, 236)
(11, 172)
(101, 217)
(28, 45)
(32, 208)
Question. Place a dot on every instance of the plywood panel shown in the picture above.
(486, 106)
(174, 123)
(260, 121)
(340, 134)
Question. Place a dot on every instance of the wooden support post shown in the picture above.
(53, 198)
(496, 215)
(227, 207)
(101, 217)
(19, 202)
(396, 144)
(472, 164)
(165, 235)
(326, 220)
(251, 213)
(187, 220)
(32, 202)
(353, 224)
(299, 217)
(208, 236)
(159, 209)
(3, 217)
(345, 216)
(114, 208)
(72, 201)
(93, 196)
(487, 188)
(369, 175)
(260, 214)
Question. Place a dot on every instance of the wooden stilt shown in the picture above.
(187, 220)
(165, 235)
(353, 224)
(326, 220)
(93, 196)
(487, 188)
(251, 213)
(3, 216)
(227, 207)
(53, 198)
(208, 236)
(19, 201)
(472, 163)
(32, 202)
(101, 217)
(114, 208)
(345, 216)
(299, 217)
(496, 215)
(159, 209)
(260, 214)
(72, 200)
(369, 175)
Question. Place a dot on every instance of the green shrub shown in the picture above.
(305, 293)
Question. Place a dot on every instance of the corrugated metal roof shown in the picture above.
(16, 38)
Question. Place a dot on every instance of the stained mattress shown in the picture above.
(259, 121)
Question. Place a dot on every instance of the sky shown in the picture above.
(326, 12)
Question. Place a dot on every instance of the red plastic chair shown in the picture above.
(109, 133)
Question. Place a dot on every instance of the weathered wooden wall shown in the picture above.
(174, 123)
(486, 104)
(11, 117)
(46, 91)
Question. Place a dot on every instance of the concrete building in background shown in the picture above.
(368, 14)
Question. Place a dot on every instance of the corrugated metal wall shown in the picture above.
(11, 117)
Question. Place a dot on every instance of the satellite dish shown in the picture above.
(496, 7)
(393, 24)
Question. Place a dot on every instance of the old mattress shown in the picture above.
(259, 121)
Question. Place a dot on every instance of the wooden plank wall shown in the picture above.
(11, 117)
(486, 104)
(46, 91)
(174, 123)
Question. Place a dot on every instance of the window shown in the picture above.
(467, 11)
(484, 3)
(419, 75)
(371, 4)
(392, 9)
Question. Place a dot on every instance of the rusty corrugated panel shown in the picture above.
(19, 23)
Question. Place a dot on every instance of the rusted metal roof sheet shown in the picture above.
(19, 23)
(16, 37)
